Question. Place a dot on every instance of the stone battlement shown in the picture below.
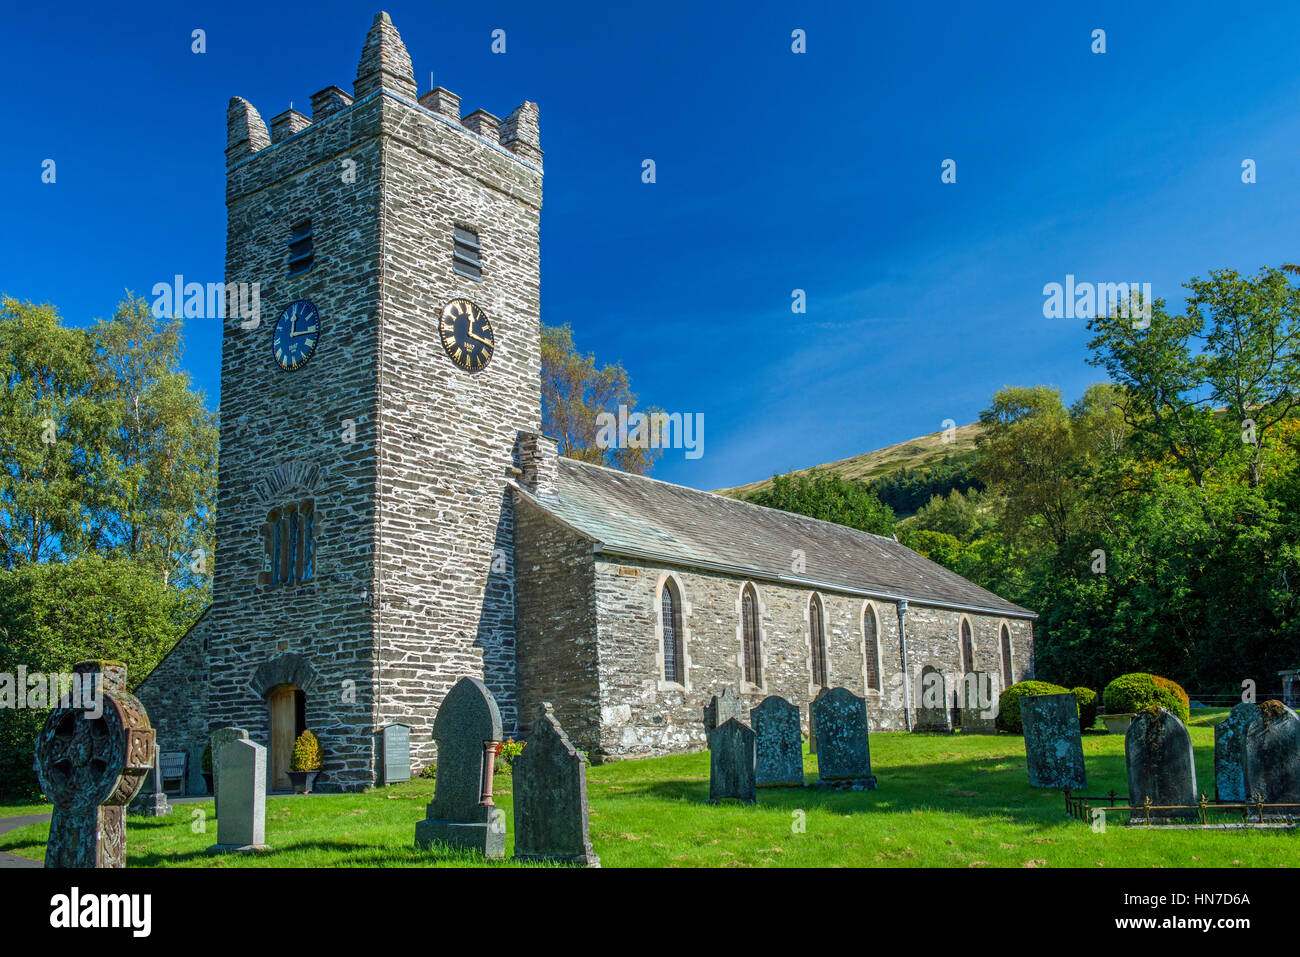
(385, 68)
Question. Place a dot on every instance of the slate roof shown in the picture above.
(640, 517)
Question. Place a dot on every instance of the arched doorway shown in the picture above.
(288, 704)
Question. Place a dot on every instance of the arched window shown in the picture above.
(871, 642)
(289, 544)
(671, 609)
(1007, 678)
(967, 648)
(750, 635)
(817, 636)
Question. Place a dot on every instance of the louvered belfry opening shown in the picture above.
(749, 630)
(672, 618)
(818, 636)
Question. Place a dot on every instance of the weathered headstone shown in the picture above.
(1271, 758)
(843, 746)
(152, 800)
(978, 694)
(1053, 745)
(397, 753)
(1229, 742)
(812, 720)
(721, 708)
(550, 795)
(779, 743)
(932, 712)
(92, 756)
(220, 738)
(242, 784)
(1161, 767)
(467, 730)
(731, 763)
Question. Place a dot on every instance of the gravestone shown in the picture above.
(1161, 766)
(220, 738)
(550, 795)
(1271, 758)
(467, 731)
(721, 708)
(844, 751)
(778, 742)
(92, 756)
(932, 712)
(1053, 745)
(731, 763)
(242, 784)
(812, 721)
(979, 703)
(397, 753)
(152, 800)
(1229, 741)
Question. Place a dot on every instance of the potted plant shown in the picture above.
(205, 768)
(306, 762)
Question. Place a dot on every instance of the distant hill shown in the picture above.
(914, 453)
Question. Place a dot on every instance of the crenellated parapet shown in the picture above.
(385, 68)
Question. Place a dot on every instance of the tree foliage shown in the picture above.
(830, 497)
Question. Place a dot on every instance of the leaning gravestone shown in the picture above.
(467, 730)
(1161, 767)
(1053, 746)
(152, 800)
(550, 793)
(778, 742)
(92, 756)
(979, 702)
(242, 783)
(721, 708)
(1271, 758)
(731, 763)
(220, 738)
(397, 753)
(932, 712)
(844, 751)
(1229, 740)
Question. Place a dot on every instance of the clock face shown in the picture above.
(466, 335)
(296, 334)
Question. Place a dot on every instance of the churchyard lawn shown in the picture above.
(949, 801)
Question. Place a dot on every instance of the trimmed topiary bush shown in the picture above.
(1009, 702)
(1087, 699)
(307, 754)
(1131, 693)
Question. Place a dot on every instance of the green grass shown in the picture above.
(943, 801)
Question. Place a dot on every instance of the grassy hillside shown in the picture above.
(914, 453)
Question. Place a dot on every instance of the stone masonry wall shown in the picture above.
(641, 714)
(555, 604)
(176, 697)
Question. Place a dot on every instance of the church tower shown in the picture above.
(371, 411)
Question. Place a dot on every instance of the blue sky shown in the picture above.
(775, 171)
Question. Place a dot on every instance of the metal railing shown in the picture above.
(1081, 808)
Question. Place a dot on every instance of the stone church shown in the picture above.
(391, 518)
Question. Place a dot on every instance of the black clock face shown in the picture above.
(466, 335)
(296, 333)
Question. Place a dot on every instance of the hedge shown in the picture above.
(1009, 702)
(1130, 693)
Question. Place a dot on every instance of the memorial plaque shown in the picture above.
(397, 753)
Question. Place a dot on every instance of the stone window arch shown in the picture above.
(751, 636)
(289, 544)
(1008, 668)
(672, 632)
(817, 641)
(967, 645)
(871, 646)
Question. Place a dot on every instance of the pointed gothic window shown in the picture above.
(967, 648)
(671, 610)
(872, 644)
(750, 635)
(1007, 680)
(817, 637)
